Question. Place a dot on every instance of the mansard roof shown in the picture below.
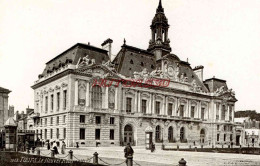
(73, 54)
(213, 84)
(3, 90)
(132, 59)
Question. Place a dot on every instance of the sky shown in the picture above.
(221, 35)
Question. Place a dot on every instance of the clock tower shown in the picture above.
(159, 44)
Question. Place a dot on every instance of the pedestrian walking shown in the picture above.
(153, 147)
(54, 146)
(48, 145)
(63, 147)
(128, 151)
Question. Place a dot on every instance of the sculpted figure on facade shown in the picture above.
(86, 61)
(109, 65)
(141, 75)
(153, 122)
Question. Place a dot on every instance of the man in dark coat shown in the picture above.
(48, 145)
(128, 151)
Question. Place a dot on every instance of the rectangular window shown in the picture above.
(224, 137)
(217, 111)
(58, 101)
(41, 122)
(230, 113)
(157, 107)
(217, 137)
(82, 119)
(46, 104)
(192, 113)
(45, 121)
(41, 133)
(45, 134)
(51, 120)
(111, 134)
(182, 111)
(64, 133)
(112, 120)
(144, 106)
(57, 120)
(51, 133)
(64, 99)
(170, 109)
(231, 137)
(98, 119)
(64, 118)
(202, 113)
(57, 133)
(217, 127)
(223, 111)
(97, 134)
(52, 102)
(82, 133)
(128, 104)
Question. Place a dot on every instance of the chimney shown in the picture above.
(107, 45)
(198, 70)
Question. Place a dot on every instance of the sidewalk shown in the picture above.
(115, 155)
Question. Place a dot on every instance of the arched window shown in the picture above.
(202, 136)
(170, 134)
(96, 97)
(158, 134)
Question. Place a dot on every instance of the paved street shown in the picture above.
(115, 155)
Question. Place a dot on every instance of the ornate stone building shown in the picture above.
(142, 96)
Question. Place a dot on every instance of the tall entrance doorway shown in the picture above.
(128, 135)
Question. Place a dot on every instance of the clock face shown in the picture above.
(170, 71)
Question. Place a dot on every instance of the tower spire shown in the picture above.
(160, 8)
(159, 43)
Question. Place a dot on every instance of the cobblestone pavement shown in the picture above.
(115, 155)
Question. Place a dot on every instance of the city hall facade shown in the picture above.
(139, 97)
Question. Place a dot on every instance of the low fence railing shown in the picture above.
(95, 159)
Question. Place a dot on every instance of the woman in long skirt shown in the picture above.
(63, 146)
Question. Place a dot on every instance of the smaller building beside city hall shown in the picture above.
(141, 96)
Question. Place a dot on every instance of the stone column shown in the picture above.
(87, 95)
(199, 109)
(153, 109)
(188, 108)
(123, 99)
(150, 104)
(116, 98)
(163, 106)
(227, 118)
(233, 111)
(136, 102)
(139, 102)
(166, 105)
(106, 98)
(176, 107)
(76, 92)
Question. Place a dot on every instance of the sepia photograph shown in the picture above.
(130, 82)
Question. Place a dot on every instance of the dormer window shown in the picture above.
(142, 63)
(152, 66)
(131, 61)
